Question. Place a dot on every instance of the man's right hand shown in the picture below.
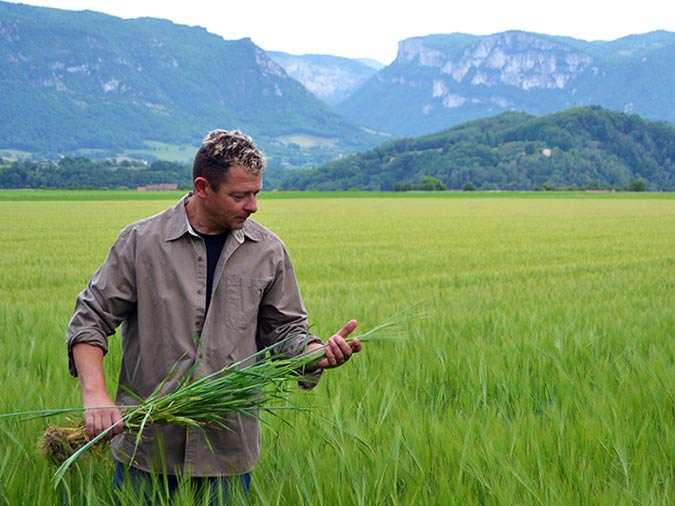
(100, 415)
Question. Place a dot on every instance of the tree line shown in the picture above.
(83, 173)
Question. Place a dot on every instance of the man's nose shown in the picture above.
(251, 204)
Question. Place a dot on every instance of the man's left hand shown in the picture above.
(337, 349)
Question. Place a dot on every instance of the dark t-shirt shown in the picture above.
(214, 246)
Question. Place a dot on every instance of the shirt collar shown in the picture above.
(179, 225)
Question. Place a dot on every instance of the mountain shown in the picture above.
(439, 81)
(330, 78)
(585, 147)
(374, 64)
(86, 83)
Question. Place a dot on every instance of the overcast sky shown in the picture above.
(373, 28)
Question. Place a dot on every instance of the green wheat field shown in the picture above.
(540, 372)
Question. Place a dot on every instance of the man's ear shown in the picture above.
(200, 185)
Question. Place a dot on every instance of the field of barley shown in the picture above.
(540, 370)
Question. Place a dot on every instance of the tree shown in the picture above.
(638, 185)
(430, 183)
(469, 187)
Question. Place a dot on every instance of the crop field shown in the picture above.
(541, 370)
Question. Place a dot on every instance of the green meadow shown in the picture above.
(541, 370)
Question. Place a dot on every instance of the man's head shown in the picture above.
(220, 151)
(227, 177)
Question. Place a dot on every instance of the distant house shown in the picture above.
(164, 187)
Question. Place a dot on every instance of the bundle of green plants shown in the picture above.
(253, 385)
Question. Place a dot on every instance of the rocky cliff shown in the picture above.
(441, 80)
(330, 78)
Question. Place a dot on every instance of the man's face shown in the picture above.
(234, 202)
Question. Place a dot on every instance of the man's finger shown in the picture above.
(348, 328)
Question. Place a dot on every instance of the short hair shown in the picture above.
(223, 149)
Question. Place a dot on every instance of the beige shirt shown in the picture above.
(153, 284)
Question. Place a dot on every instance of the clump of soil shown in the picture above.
(59, 443)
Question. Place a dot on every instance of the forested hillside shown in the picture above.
(581, 148)
(89, 84)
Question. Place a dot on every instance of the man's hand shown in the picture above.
(100, 415)
(336, 349)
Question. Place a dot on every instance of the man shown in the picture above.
(201, 284)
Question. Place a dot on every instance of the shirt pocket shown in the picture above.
(242, 300)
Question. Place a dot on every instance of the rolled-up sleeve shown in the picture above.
(107, 301)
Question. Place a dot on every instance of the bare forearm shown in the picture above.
(100, 412)
(89, 364)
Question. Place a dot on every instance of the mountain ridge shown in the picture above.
(438, 81)
(331, 78)
(89, 80)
